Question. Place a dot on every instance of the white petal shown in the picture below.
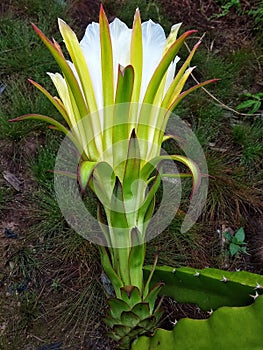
(172, 36)
(170, 74)
(154, 39)
(120, 39)
(90, 45)
(60, 85)
(76, 75)
(62, 89)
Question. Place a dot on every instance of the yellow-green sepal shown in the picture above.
(178, 82)
(110, 272)
(193, 167)
(174, 103)
(107, 78)
(136, 55)
(163, 66)
(136, 257)
(57, 103)
(79, 61)
(56, 52)
(125, 84)
(106, 60)
(85, 170)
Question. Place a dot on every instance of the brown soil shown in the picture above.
(229, 32)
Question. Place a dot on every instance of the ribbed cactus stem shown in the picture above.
(221, 288)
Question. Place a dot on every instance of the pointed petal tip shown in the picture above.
(215, 80)
(102, 16)
(36, 29)
(102, 12)
(198, 43)
(137, 13)
(17, 119)
(188, 33)
(13, 120)
(191, 68)
(175, 27)
(61, 23)
(33, 25)
(122, 69)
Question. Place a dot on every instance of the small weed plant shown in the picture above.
(226, 6)
(236, 243)
(252, 104)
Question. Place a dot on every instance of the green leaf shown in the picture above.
(235, 240)
(178, 88)
(240, 234)
(43, 118)
(152, 295)
(120, 330)
(256, 107)
(149, 323)
(234, 249)
(110, 321)
(80, 64)
(244, 250)
(117, 306)
(246, 104)
(128, 318)
(142, 310)
(228, 236)
(227, 328)
(131, 295)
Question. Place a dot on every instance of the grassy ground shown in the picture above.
(50, 277)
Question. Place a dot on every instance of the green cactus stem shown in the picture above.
(227, 328)
(209, 288)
